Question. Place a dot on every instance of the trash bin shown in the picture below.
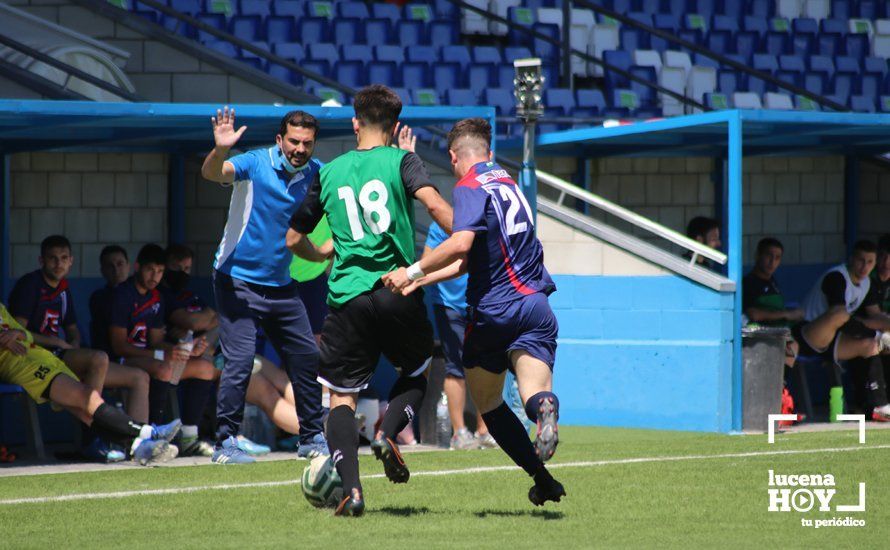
(763, 363)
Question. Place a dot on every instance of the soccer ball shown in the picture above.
(321, 484)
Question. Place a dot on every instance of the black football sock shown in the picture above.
(343, 444)
(158, 400)
(115, 425)
(875, 387)
(404, 400)
(534, 402)
(511, 436)
(194, 399)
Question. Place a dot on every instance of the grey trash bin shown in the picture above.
(763, 361)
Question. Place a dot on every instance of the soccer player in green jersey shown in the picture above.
(366, 195)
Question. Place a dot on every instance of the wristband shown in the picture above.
(414, 272)
(159, 354)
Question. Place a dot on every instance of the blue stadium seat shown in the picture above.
(746, 44)
(505, 75)
(791, 63)
(649, 6)
(727, 81)
(645, 93)
(875, 65)
(805, 25)
(776, 43)
(261, 8)
(356, 52)
(755, 24)
(320, 66)
(384, 72)
(281, 29)
(678, 8)
(348, 31)
(445, 9)
(422, 54)
(313, 29)
(828, 44)
(350, 73)
(379, 32)
(856, 45)
(760, 8)
(315, 8)
(620, 59)
(215, 20)
(404, 95)
(724, 23)
(447, 76)
(226, 48)
(295, 8)
(424, 96)
(284, 74)
(486, 54)
(704, 61)
(719, 41)
(459, 96)
(247, 27)
(480, 77)
(634, 39)
(868, 85)
(254, 59)
(501, 99)
(383, 10)
(191, 7)
(322, 51)
(840, 9)
(411, 33)
(547, 51)
(560, 99)
(862, 104)
(842, 87)
(834, 26)
(666, 22)
(456, 54)
(821, 63)
(803, 45)
(358, 10)
(731, 8)
(865, 9)
(705, 8)
(589, 102)
(416, 75)
(289, 50)
(884, 103)
(512, 53)
(396, 54)
(847, 64)
(642, 17)
(442, 33)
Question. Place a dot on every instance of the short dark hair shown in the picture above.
(151, 254)
(301, 119)
(769, 242)
(112, 249)
(884, 243)
(476, 129)
(378, 106)
(54, 241)
(865, 245)
(700, 225)
(179, 252)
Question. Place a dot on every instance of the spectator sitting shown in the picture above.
(42, 302)
(706, 231)
(137, 335)
(115, 268)
(46, 378)
(762, 301)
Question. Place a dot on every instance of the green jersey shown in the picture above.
(303, 270)
(366, 196)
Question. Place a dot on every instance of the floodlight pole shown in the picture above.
(529, 107)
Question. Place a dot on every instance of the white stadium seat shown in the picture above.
(673, 58)
(602, 38)
(880, 46)
(551, 16)
(500, 7)
(674, 79)
(816, 9)
(773, 100)
(882, 26)
(472, 22)
(702, 80)
(746, 100)
(648, 58)
(789, 9)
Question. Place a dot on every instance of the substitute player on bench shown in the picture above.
(511, 324)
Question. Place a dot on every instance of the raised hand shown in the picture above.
(407, 139)
(224, 134)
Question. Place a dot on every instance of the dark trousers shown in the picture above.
(242, 308)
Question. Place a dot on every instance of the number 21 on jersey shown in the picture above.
(515, 200)
(369, 205)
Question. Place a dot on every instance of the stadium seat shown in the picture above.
(702, 60)
(666, 22)
(727, 81)
(383, 72)
(828, 44)
(802, 103)
(856, 45)
(647, 58)
(416, 75)
(840, 9)
(865, 9)
(404, 95)
(719, 41)
(261, 8)
(730, 8)
(815, 82)
(224, 47)
(385, 10)
(506, 73)
(425, 97)
(293, 8)
(442, 33)
(246, 27)
(323, 52)
(862, 104)
(350, 73)
(746, 100)
(760, 8)
(702, 80)
(512, 53)
(717, 101)
(486, 54)
(501, 99)
(546, 50)
(411, 33)
(313, 29)
(777, 101)
(461, 97)
(589, 102)
(280, 28)
(805, 25)
(674, 79)
(724, 23)
(215, 20)
(447, 76)
(523, 17)
(480, 77)
(320, 66)
(320, 9)
(884, 103)
(626, 99)
(645, 94)
(347, 31)
(678, 59)
(357, 10)
(456, 54)
(776, 43)
(746, 44)
(875, 65)
(881, 46)
(602, 38)
(620, 59)
(356, 52)
(501, 8)
(789, 9)
(560, 99)
(191, 7)
(755, 24)
(816, 9)
(284, 74)
(472, 22)
(289, 50)
(847, 64)
(396, 54)
(378, 32)
(422, 54)
(445, 9)
(327, 94)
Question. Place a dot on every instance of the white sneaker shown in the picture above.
(463, 440)
(883, 341)
(881, 414)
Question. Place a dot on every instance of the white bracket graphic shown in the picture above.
(854, 507)
(772, 419)
(858, 418)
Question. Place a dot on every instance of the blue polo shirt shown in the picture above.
(264, 197)
(451, 293)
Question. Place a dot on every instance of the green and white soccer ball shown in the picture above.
(321, 484)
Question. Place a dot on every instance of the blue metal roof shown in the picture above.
(765, 133)
(29, 125)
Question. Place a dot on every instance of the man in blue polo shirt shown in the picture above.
(251, 276)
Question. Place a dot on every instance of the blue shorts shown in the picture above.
(495, 330)
(451, 325)
(314, 294)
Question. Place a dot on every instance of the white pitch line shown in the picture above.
(431, 473)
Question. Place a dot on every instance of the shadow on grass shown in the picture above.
(541, 514)
(403, 511)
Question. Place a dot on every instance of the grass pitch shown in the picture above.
(626, 488)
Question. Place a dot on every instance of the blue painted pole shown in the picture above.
(851, 202)
(734, 225)
(5, 206)
(176, 200)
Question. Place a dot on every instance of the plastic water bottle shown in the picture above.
(187, 344)
(443, 423)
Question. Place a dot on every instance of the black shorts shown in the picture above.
(372, 323)
(852, 328)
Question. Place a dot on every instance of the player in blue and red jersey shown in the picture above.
(511, 325)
